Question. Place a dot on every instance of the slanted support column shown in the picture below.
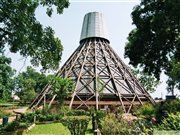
(44, 100)
(79, 77)
(96, 77)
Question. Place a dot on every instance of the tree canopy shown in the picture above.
(21, 32)
(62, 87)
(154, 44)
(39, 79)
(30, 82)
(149, 82)
(6, 77)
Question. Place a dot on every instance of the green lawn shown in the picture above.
(49, 129)
(52, 129)
(166, 132)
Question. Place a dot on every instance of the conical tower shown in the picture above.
(101, 78)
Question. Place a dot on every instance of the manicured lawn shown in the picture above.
(52, 129)
(49, 129)
(166, 132)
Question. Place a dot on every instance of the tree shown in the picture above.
(149, 82)
(174, 77)
(21, 32)
(29, 83)
(154, 44)
(61, 87)
(27, 92)
(40, 79)
(6, 77)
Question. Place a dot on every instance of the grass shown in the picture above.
(49, 129)
(166, 132)
(53, 129)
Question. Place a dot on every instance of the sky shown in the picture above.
(67, 27)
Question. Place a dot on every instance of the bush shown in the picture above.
(77, 125)
(77, 113)
(172, 122)
(98, 116)
(167, 107)
(112, 126)
(3, 113)
(147, 110)
(171, 106)
(15, 125)
(142, 126)
(40, 116)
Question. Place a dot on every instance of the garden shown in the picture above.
(31, 53)
(163, 118)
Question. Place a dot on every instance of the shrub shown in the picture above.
(28, 117)
(99, 115)
(147, 110)
(172, 122)
(3, 113)
(15, 125)
(77, 125)
(41, 117)
(169, 106)
(112, 126)
(77, 113)
(142, 126)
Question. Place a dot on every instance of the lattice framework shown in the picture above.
(98, 72)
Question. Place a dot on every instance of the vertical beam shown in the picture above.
(96, 81)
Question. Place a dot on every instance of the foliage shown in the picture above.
(26, 91)
(13, 126)
(3, 113)
(30, 82)
(6, 77)
(40, 116)
(62, 87)
(77, 125)
(112, 126)
(171, 122)
(149, 82)
(21, 32)
(118, 110)
(39, 79)
(142, 126)
(174, 76)
(99, 115)
(146, 110)
(171, 106)
(154, 43)
(77, 113)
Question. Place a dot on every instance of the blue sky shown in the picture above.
(68, 28)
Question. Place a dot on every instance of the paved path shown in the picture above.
(14, 112)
